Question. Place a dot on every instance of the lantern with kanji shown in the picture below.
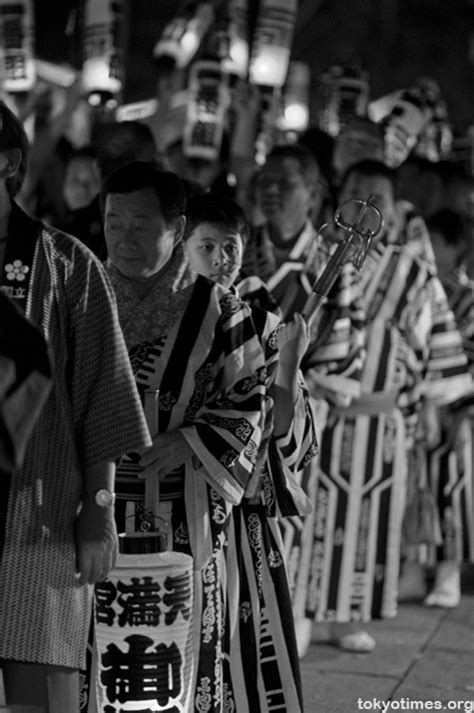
(344, 91)
(102, 67)
(272, 42)
(208, 101)
(143, 636)
(17, 64)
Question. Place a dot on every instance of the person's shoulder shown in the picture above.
(68, 246)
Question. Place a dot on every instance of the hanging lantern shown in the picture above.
(182, 36)
(102, 68)
(17, 45)
(60, 75)
(272, 42)
(137, 111)
(345, 94)
(436, 138)
(208, 101)
(143, 654)
(229, 42)
(403, 125)
(294, 116)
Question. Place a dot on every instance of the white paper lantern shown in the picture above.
(102, 67)
(143, 654)
(403, 125)
(17, 63)
(208, 101)
(182, 36)
(295, 105)
(272, 42)
(345, 94)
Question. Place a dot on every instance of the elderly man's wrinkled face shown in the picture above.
(139, 241)
(286, 198)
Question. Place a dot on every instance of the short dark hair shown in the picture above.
(453, 226)
(141, 175)
(122, 142)
(216, 210)
(13, 136)
(308, 164)
(369, 168)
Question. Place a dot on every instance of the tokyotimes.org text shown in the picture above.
(411, 704)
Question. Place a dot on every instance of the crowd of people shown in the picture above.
(315, 471)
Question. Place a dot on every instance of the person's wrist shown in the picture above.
(102, 498)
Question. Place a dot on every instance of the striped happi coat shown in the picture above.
(450, 461)
(268, 673)
(411, 347)
(198, 344)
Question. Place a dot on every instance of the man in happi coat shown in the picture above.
(287, 254)
(446, 449)
(196, 342)
(60, 534)
(412, 350)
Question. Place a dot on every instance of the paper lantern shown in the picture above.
(17, 45)
(102, 67)
(229, 41)
(143, 636)
(208, 101)
(295, 104)
(403, 125)
(272, 42)
(61, 75)
(182, 36)
(436, 138)
(344, 94)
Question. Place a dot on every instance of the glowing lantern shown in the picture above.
(102, 67)
(230, 39)
(345, 94)
(143, 654)
(272, 42)
(295, 109)
(17, 45)
(436, 138)
(182, 36)
(208, 101)
(403, 124)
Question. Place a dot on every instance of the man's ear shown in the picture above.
(179, 228)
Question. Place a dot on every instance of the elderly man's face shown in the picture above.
(286, 198)
(139, 241)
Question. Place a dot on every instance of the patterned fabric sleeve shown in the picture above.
(448, 376)
(227, 429)
(300, 445)
(108, 417)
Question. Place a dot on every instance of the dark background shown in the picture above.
(396, 41)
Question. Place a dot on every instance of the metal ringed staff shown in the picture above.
(354, 232)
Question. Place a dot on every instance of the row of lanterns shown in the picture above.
(415, 116)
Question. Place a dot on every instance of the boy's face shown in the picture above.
(215, 252)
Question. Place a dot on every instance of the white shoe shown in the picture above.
(359, 642)
(303, 631)
(446, 592)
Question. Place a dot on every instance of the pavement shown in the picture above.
(424, 661)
